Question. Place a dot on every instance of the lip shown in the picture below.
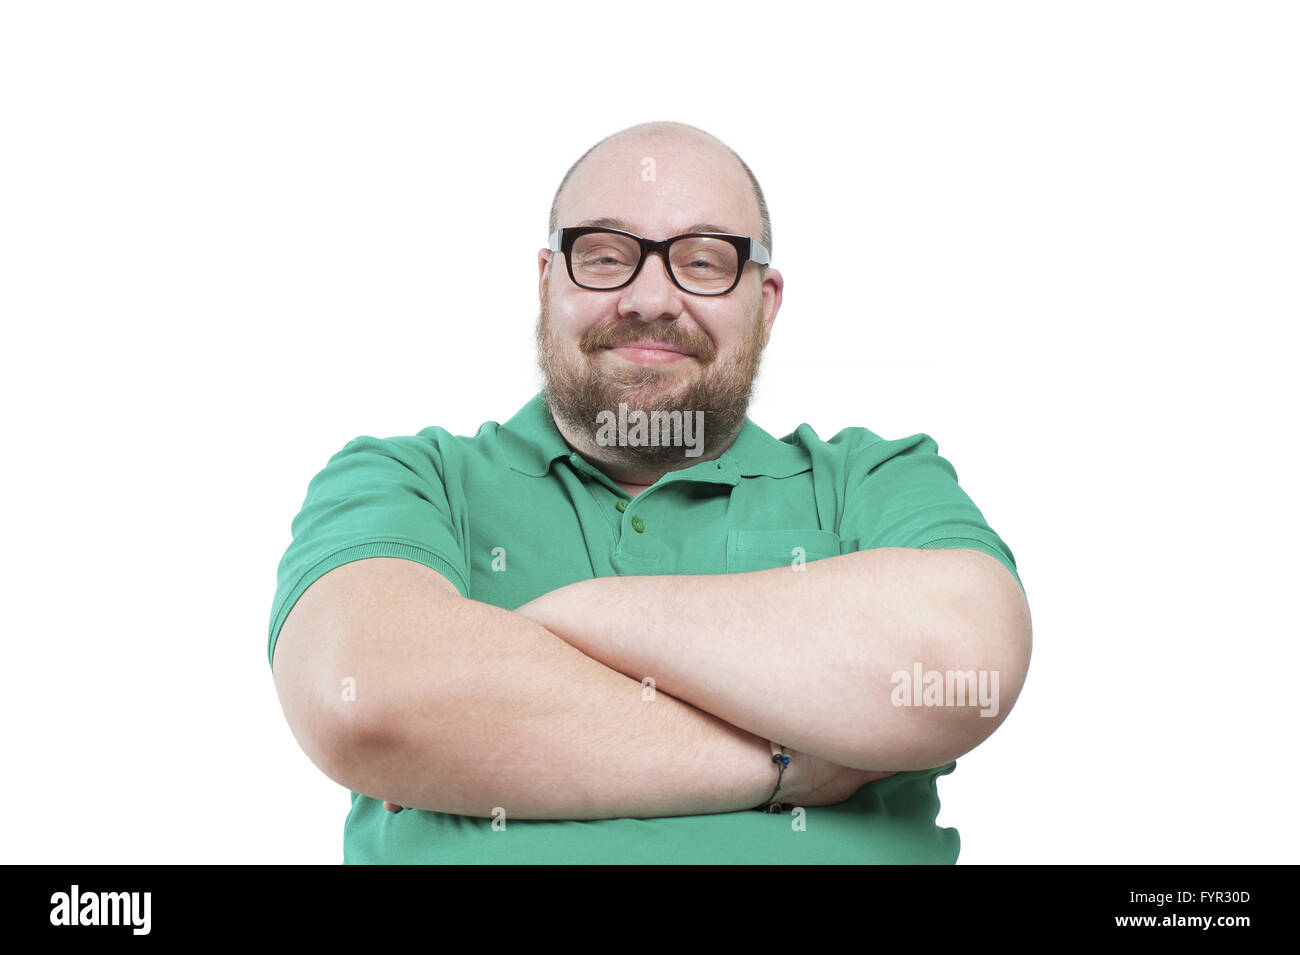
(644, 344)
(642, 352)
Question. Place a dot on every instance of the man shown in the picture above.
(583, 635)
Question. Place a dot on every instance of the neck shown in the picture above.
(632, 489)
(622, 466)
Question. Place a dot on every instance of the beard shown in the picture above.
(578, 391)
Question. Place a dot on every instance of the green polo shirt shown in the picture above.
(513, 513)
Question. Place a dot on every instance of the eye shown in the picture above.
(602, 257)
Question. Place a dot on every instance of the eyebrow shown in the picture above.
(608, 222)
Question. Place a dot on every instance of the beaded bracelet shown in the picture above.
(780, 756)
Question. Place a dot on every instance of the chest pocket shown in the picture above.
(763, 550)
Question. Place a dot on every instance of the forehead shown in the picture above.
(658, 186)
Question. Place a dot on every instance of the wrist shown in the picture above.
(780, 761)
(795, 785)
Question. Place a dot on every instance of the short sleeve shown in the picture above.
(378, 497)
(903, 494)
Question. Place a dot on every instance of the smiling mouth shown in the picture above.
(644, 345)
(649, 352)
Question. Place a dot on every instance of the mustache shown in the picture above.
(615, 333)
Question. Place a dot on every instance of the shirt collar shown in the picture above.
(530, 442)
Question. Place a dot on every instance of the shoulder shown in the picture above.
(860, 449)
(431, 446)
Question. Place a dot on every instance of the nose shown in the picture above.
(652, 293)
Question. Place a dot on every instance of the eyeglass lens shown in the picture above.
(699, 263)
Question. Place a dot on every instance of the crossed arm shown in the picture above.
(463, 707)
(806, 657)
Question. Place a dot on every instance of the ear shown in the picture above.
(771, 290)
(543, 272)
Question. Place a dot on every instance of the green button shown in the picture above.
(621, 505)
(638, 525)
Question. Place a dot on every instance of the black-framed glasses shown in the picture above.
(702, 263)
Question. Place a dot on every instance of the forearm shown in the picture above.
(807, 657)
(483, 708)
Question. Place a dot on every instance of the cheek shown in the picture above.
(730, 329)
(572, 324)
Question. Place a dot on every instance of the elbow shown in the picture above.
(1009, 631)
(360, 744)
(970, 678)
(942, 714)
(347, 737)
(985, 676)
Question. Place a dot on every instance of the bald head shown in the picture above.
(664, 134)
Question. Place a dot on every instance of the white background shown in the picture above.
(1060, 238)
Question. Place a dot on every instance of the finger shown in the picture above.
(392, 806)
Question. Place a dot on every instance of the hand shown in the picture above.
(392, 806)
(810, 781)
